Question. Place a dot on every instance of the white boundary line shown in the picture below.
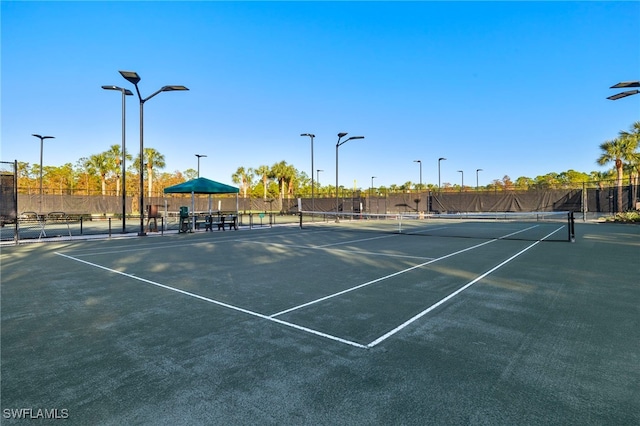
(326, 248)
(217, 302)
(420, 265)
(319, 333)
(455, 293)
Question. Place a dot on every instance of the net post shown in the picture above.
(584, 201)
(572, 232)
(300, 217)
(16, 234)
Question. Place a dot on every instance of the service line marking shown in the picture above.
(455, 293)
(326, 248)
(368, 283)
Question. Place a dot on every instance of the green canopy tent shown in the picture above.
(202, 186)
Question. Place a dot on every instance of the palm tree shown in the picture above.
(633, 166)
(99, 164)
(294, 180)
(634, 132)
(153, 159)
(263, 173)
(242, 177)
(600, 177)
(620, 150)
(279, 172)
(115, 155)
(406, 186)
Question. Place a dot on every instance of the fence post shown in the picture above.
(584, 202)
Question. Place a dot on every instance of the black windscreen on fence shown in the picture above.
(8, 193)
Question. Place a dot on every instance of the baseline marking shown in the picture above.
(217, 302)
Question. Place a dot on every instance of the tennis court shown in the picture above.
(325, 325)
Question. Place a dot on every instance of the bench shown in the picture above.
(206, 222)
(220, 221)
(232, 221)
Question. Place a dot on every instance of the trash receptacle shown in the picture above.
(184, 219)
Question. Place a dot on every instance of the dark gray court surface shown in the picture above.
(290, 326)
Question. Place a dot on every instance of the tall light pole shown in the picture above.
(313, 200)
(439, 160)
(340, 136)
(199, 156)
(42, 138)
(420, 163)
(627, 93)
(318, 176)
(477, 170)
(417, 200)
(134, 78)
(371, 192)
(462, 173)
(125, 93)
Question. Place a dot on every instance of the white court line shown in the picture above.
(455, 293)
(165, 245)
(355, 241)
(316, 332)
(379, 279)
(325, 248)
(217, 302)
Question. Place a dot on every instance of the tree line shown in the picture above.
(101, 174)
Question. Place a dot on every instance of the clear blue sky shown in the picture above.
(513, 88)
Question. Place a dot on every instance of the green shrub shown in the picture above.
(626, 217)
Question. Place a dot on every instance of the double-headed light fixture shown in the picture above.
(340, 136)
(439, 160)
(313, 199)
(199, 157)
(134, 78)
(624, 85)
(42, 138)
(125, 93)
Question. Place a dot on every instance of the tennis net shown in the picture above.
(528, 226)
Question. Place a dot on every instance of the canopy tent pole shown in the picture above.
(202, 186)
(193, 212)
